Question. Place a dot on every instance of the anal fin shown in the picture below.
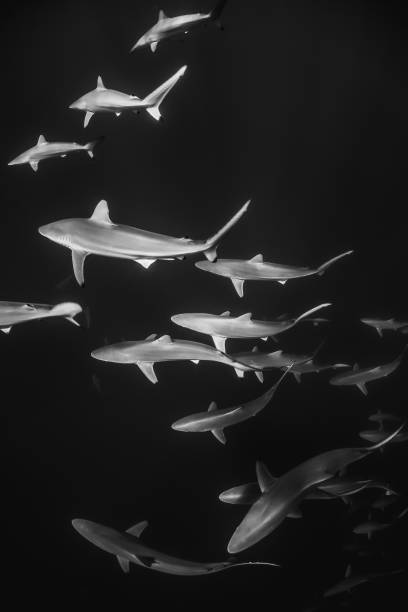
(88, 117)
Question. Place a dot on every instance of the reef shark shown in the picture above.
(45, 150)
(168, 27)
(382, 325)
(98, 235)
(103, 100)
(361, 376)
(128, 548)
(272, 507)
(350, 582)
(256, 269)
(14, 313)
(145, 353)
(216, 419)
(223, 326)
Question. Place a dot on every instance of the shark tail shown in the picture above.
(386, 440)
(154, 99)
(89, 147)
(322, 269)
(67, 310)
(212, 243)
(311, 311)
(217, 10)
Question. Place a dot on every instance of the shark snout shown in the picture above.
(181, 425)
(17, 160)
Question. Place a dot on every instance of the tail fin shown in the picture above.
(311, 311)
(217, 10)
(386, 440)
(89, 147)
(211, 243)
(157, 96)
(68, 310)
(322, 269)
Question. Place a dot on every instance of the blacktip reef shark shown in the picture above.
(168, 27)
(128, 548)
(350, 582)
(361, 376)
(46, 150)
(145, 353)
(272, 507)
(256, 269)
(103, 100)
(381, 325)
(216, 419)
(98, 235)
(14, 313)
(223, 326)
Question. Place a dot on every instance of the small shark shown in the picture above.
(103, 100)
(167, 27)
(268, 512)
(13, 313)
(216, 419)
(127, 548)
(145, 353)
(385, 324)
(240, 270)
(360, 377)
(380, 417)
(349, 582)
(266, 361)
(45, 150)
(376, 435)
(98, 235)
(369, 527)
(223, 326)
(310, 367)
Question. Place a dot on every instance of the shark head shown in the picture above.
(20, 159)
(142, 42)
(58, 231)
(183, 425)
(79, 104)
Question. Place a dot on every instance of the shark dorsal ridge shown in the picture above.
(212, 406)
(101, 213)
(257, 259)
(99, 83)
(41, 140)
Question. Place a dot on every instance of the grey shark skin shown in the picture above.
(271, 509)
(46, 150)
(221, 327)
(127, 547)
(256, 269)
(381, 325)
(216, 419)
(349, 582)
(360, 377)
(14, 313)
(103, 100)
(145, 353)
(168, 27)
(98, 235)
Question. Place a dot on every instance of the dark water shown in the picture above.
(300, 106)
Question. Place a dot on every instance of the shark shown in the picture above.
(272, 507)
(381, 325)
(14, 313)
(376, 435)
(145, 353)
(369, 527)
(127, 548)
(350, 581)
(168, 27)
(46, 150)
(98, 235)
(361, 376)
(215, 420)
(223, 326)
(256, 269)
(103, 100)
(260, 361)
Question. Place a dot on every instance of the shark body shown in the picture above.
(46, 150)
(15, 313)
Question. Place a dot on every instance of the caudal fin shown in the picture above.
(211, 244)
(153, 100)
(322, 269)
(386, 440)
(311, 311)
(89, 147)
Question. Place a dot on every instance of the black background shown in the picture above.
(300, 106)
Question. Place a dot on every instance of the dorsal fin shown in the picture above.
(225, 314)
(41, 140)
(162, 15)
(101, 213)
(245, 317)
(137, 529)
(212, 406)
(99, 83)
(257, 259)
(347, 573)
(355, 367)
(264, 477)
(151, 337)
(164, 339)
(255, 349)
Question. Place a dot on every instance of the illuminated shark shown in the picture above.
(350, 582)
(103, 100)
(167, 27)
(256, 269)
(14, 313)
(98, 235)
(382, 325)
(45, 150)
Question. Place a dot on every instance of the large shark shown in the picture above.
(223, 326)
(45, 150)
(127, 548)
(98, 235)
(145, 353)
(14, 313)
(361, 376)
(216, 419)
(382, 325)
(256, 269)
(268, 512)
(167, 27)
(103, 100)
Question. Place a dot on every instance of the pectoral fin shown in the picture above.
(6, 330)
(219, 343)
(34, 165)
(219, 434)
(195, 361)
(239, 286)
(282, 282)
(124, 564)
(240, 373)
(147, 369)
(153, 46)
(362, 388)
(78, 259)
(297, 376)
(146, 263)
(259, 376)
(88, 117)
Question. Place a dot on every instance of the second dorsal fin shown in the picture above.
(101, 213)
